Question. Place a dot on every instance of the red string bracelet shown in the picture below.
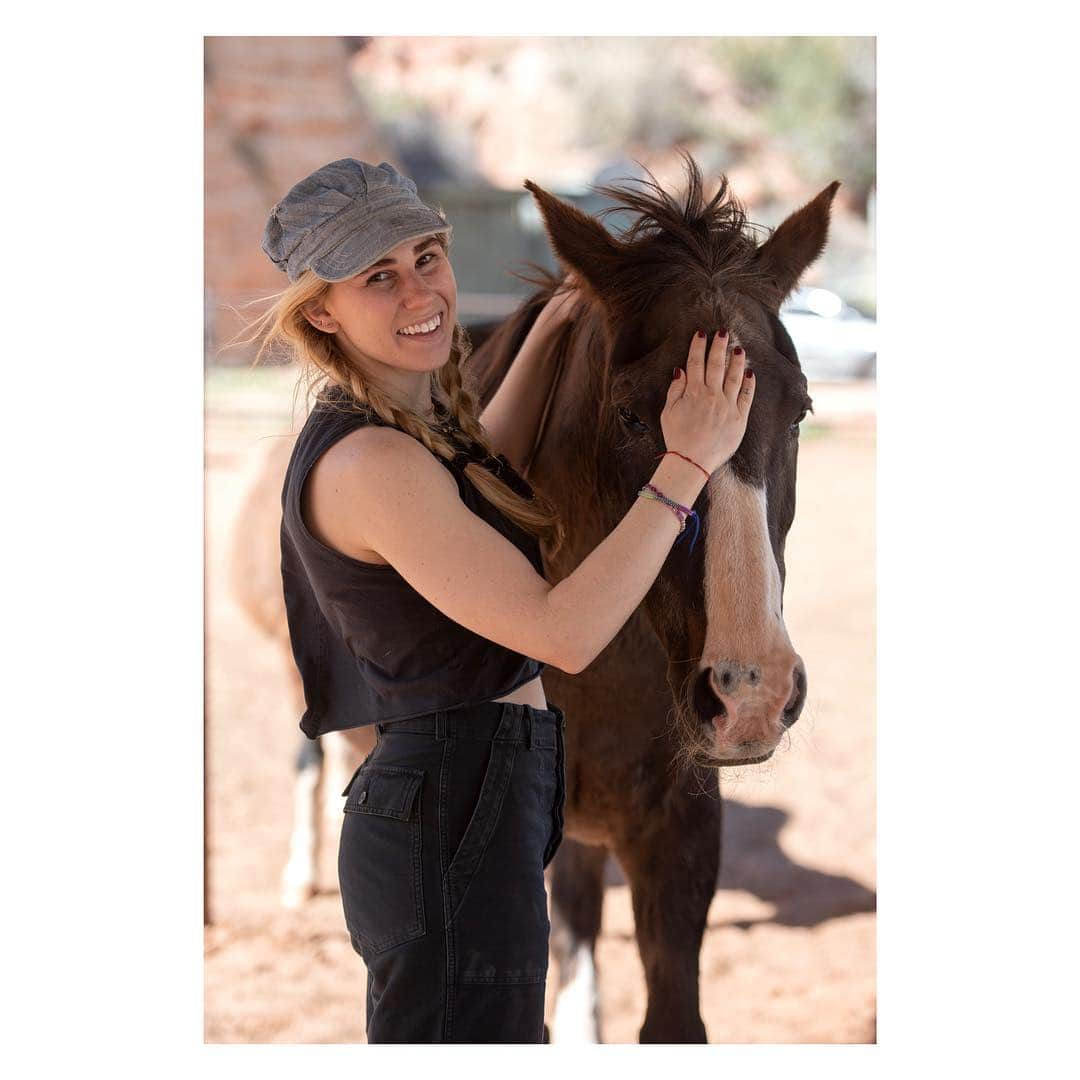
(685, 458)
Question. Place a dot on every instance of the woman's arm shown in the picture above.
(409, 507)
(512, 416)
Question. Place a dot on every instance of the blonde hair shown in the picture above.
(323, 365)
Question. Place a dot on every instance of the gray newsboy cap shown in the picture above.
(344, 217)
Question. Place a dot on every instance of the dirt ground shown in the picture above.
(789, 952)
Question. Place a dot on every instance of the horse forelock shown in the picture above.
(672, 240)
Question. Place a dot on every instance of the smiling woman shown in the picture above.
(371, 315)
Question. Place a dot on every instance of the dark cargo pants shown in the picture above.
(448, 826)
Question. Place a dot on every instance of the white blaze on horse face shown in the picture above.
(742, 609)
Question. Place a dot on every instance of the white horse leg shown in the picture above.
(576, 1017)
(299, 878)
(577, 901)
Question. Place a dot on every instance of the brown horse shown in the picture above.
(704, 674)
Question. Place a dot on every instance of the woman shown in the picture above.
(416, 599)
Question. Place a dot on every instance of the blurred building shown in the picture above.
(276, 109)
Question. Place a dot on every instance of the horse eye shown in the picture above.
(794, 429)
(631, 420)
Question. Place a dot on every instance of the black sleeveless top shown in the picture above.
(368, 646)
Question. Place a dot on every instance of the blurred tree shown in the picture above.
(816, 96)
(628, 90)
(787, 113)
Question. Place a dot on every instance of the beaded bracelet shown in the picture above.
(685, 458)
(675, 508)
(650, 491)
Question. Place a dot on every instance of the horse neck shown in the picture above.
(565, 465)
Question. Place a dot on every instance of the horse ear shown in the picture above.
(795, 244)
(579, 241)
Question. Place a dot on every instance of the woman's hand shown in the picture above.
(706, 411)
(558, 308)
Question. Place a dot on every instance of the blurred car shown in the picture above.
(833, 339)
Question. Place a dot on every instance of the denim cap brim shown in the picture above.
(363, 247)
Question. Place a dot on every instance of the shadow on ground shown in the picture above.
(753, 861)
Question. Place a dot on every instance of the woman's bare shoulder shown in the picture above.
(376, 453)
(359, 476)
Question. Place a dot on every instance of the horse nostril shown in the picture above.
(703, 699)
(798, 695)
(753, 675)
(727, 680)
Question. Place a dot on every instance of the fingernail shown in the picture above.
(737, 350)
(749, 373)
(674, 373)
(722, 332)
(701, 333)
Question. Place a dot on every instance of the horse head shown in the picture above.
(737, 681)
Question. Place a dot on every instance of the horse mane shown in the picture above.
(671, 238)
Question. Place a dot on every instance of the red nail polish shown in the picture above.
(723, 332)
(749, 373)
(700, 333)
(674, 373)
(737, 350)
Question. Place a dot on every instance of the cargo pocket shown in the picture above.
(379, 860)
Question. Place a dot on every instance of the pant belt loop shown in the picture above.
(528, 718)
(440, 726)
